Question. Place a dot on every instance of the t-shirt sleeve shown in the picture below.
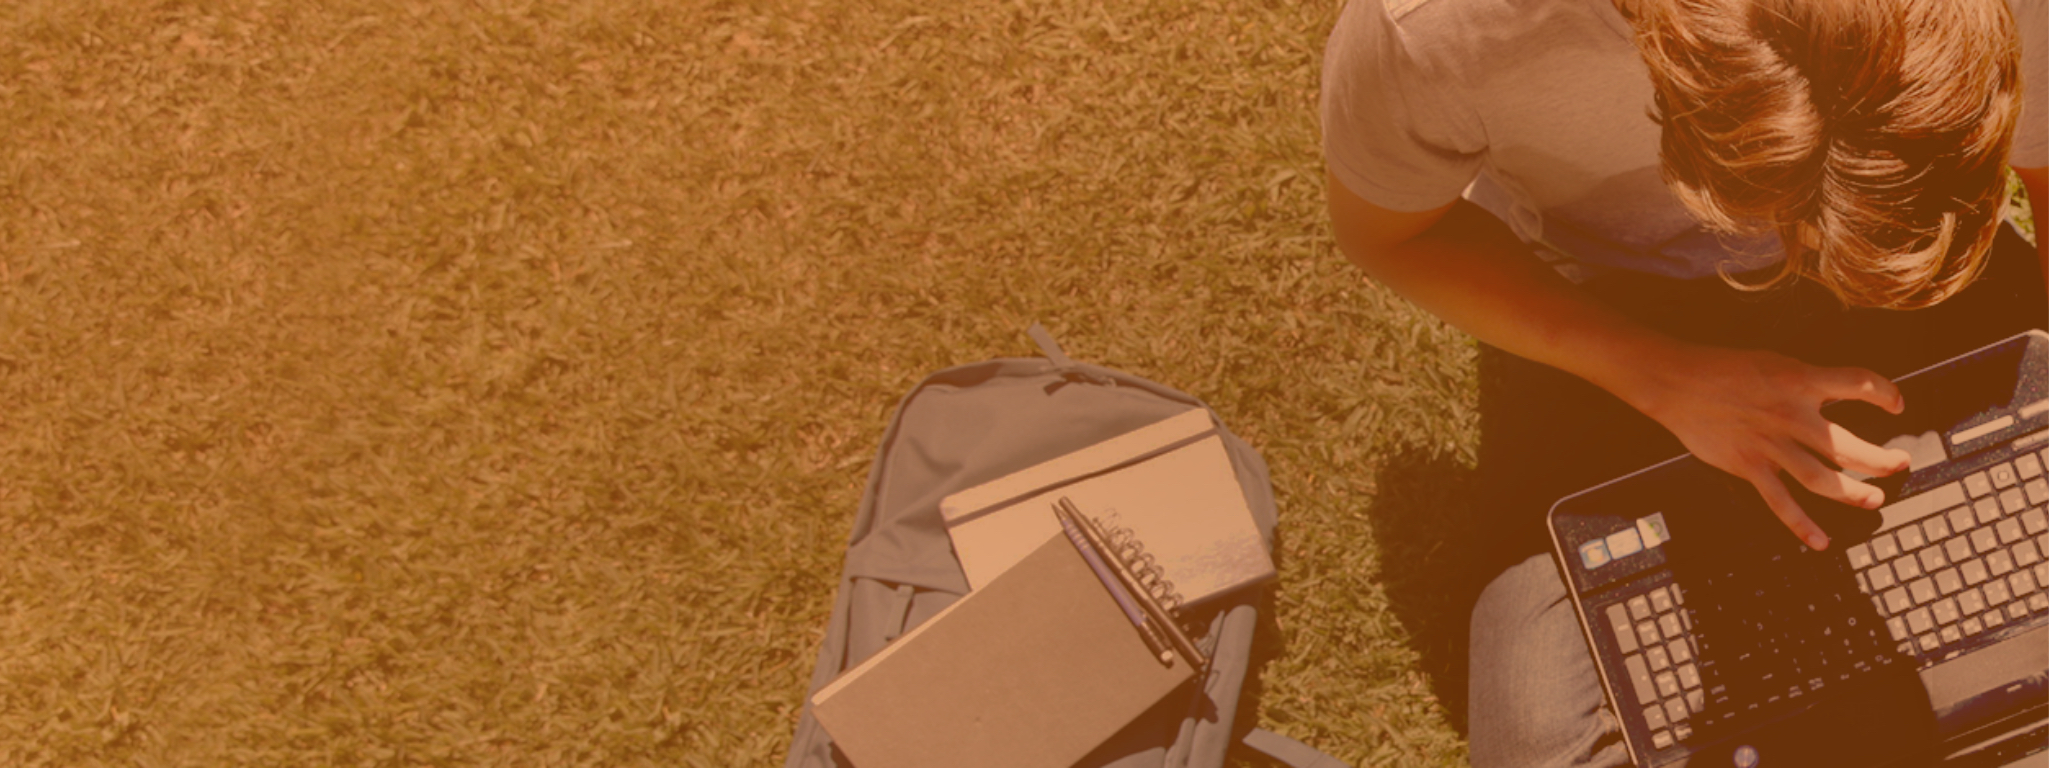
(1395, 130)
(2031, 136)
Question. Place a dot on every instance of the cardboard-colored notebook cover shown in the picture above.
(1033, 670)
(1169, 485)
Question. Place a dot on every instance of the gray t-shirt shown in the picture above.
(1538, 110)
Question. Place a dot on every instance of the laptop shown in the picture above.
(1919, 637)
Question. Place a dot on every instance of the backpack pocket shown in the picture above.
(882, 610)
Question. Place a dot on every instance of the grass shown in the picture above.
(442, 383)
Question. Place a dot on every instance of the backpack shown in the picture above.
(969, 424)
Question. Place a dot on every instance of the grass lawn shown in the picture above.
(490, 382)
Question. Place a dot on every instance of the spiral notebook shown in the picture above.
(1166, 494)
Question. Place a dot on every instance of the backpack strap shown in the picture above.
(1049, 347)
(1069, 370)
(1290, 751)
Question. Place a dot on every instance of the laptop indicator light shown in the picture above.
(1746, 757)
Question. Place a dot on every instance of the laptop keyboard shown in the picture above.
(1970, 564)
(1953, 564)
(1655, 633)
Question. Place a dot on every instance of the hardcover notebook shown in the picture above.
(1170, 484)
(1033, 670)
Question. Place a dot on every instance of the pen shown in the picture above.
(1115, 586)
(1182, 643)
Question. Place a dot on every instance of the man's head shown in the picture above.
(1872, 135)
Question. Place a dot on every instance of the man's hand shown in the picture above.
(1758, 414)
(1751, 414)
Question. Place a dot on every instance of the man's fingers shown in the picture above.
(1781, 502)
(1826, 481)
(1859, 384)
(1851, 452)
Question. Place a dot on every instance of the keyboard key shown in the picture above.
(2024, 554)
(2035, 521)
(1961, 519)
(1884, 548)
(1681, 652)
(2017, 610)
(1971, 626)
(1924, 589)
(1661, 601)
(1933, 559)
(1880, 578)
(2028, 466)
(1669, 624)
(1654, 717)
(1951, 635)
(1675, 710)
(1920, 620)
(1984, 540)
(1908, 568)
(2042, 568)
(2003, 476)
(2009, 530)
(1647, 633)
(1689, 676)
(1996, 592)
(2012, 502)
(1661, 739)
(1911, 538)
(2000, 562)
(2038, 602)
(1668, 684)
(1936, 527)
(1945, 610)
(2022, 582)
(1898, 628)
(1971, 601)
(1974, 572)
(1986, 510)
(1696, 700)
(1958, 549)
(1994, 618)
(1639, 607)
(1640, 678)
(1678, 597)
(1949, 580)
(1898, 601)
(1625, 636)
(1928, 643)
(1658, 658)
(2038, 491)
(1860, 556)
(1978, 485)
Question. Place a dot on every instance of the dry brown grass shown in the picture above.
(457, 383)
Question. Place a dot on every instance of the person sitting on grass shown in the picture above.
(1713, 217)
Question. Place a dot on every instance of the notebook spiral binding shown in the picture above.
(1141, 563)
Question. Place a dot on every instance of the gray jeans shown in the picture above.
(1535, 698)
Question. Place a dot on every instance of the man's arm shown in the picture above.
(2037, 182)
(1752, 414)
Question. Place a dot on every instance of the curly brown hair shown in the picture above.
(1872, 135)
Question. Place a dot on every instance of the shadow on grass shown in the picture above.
(1267, 645)
(1436, 554)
